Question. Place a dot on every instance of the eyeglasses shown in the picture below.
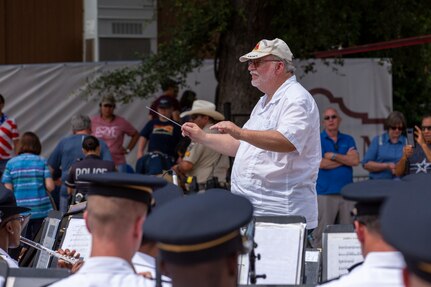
(396, 128)
(108, 106)
(256, 63)
(426, 128)
(333, 117)
(22, 219)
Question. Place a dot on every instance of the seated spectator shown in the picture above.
(386, 149)
(417, 159)
(29, 177)
(162, 137)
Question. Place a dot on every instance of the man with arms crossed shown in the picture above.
(278, 149)
(339, 155)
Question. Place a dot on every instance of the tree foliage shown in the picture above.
(195, 36)
(223, 27)
(330, 24)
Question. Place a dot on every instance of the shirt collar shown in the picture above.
(387, 139)
(9, 260)
(93, 156)
(389, 259)
(279, 93)
(106, 264)
(325, 134)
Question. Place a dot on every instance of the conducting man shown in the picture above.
(278, 149)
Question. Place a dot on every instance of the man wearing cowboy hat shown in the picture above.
(199, 160)
(277, 152)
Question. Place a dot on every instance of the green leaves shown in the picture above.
(198, 25)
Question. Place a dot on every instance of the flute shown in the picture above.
(40, 247)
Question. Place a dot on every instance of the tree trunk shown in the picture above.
(250, 23)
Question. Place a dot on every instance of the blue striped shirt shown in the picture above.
(27, 174)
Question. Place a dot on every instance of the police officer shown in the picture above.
(405, 224)
(11, 224)
(92, 163)
(199, 237)
(382, 265)
(117, 206)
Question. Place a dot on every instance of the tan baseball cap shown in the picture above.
(276, 47)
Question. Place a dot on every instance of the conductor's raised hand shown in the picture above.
(226, 127)
(193, 131)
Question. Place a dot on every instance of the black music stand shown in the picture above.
(45, 236)
(24, 277)
(292, 233)
(4, 270)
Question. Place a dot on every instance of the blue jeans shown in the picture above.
(64, 199)
(125, 168)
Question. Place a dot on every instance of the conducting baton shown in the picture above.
(172, 121)
(68, 259)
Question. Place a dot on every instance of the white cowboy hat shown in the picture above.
(204, 108)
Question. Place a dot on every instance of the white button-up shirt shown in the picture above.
(12, 263)
(281, 183)
(378, 269)
(105, 271)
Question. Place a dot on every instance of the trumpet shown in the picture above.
(68, 259)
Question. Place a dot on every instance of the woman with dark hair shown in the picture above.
(29, 177)
(387, 149)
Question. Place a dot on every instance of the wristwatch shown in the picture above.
(333, 156)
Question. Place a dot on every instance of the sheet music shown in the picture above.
(77, 237)
(281, 249)
(312, 256)
(344, 250)
(243, 269)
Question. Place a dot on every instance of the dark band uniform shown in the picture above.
(406, 219)
(113, 271)
(199, 228)
(379, 268)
